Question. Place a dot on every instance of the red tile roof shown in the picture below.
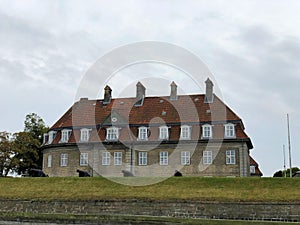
(254, 163)
(189, 109)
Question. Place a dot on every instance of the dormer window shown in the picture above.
(207, 131)
(143, 134)
(51, 136)
(85, 134)
(185, 132)
(65, 135)
(163, 133)
(112, 134)
(229, 130)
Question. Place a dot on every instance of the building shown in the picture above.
(199, 135)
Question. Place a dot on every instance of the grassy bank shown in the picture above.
(183, 188)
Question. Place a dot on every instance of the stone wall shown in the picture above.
(180, 209)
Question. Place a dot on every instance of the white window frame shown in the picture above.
(51, 136)
(252, 169)
(84, 159)
(85, 135)
(49, 161)
(105, 158)
(207, 131)
(46, 138)
(230, 157)
(163, 133)
(163, 158)
(64, 159)
(185, 158)
(143, 134)
(117, 158)
(185, 132)
(207, 157)
(143, 158)
(229, 130)
(65, 135)
(112, 134)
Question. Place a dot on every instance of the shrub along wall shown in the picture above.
(180, 209)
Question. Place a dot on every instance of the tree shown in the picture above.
(35, 126)
(287, 172)
(7, 161)
(26, 150)
(278, 174)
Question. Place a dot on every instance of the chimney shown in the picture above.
(173, 95)
(140, 94)
(209, 95)
(107, 95)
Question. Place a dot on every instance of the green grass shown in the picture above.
(122, 219)
(181, 188)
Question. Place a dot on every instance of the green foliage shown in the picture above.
(7, 161)
(26, 150)
(35, 126)
(286, 173)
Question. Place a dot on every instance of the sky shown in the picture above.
(252, 48)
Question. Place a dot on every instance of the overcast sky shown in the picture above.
(251, 47)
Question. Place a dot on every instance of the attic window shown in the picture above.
(163, 113)
(206, 131)
(185, 132)
(121, 103)
(143, 134)
(65, 135)
(196, 99)
(85, 134)
(51, 136)
(163, 133)
(229, 130)
(112, 134)
(161, 101)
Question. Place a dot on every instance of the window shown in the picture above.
(230, 157)
(229, 131)
(63, 159)
(143, 133)
(65, 135)
(105, 158)
(163, 158)
(118, 158)
(45, 140)
(252, 169)
(163, 133)
(185, 158)
(84, 135)
(112, 134)
(207, 157)
(185, 132)
(142, 158)
(206, 131)
(51, 137)
(49, 161)
(84, 159)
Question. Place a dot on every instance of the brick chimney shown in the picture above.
(173, 95)
(209, 94)
(107, 95)
(140, 94)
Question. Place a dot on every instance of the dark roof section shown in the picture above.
(257, 170)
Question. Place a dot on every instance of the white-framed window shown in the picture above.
(64, 159)
(45, 139)
(185, 132)
(51, 136)
(229, 131)
(163, 158)
(112, 134)
(84, 159)
(142, 158)
(185, 158)
(207, 157)
(105, 158)
(65, 135)
(207, 131)
(143, 133)
(117, 158)
(84, 134)
(163, 133)
(49, 161)
(252, 169)
(230, 156)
